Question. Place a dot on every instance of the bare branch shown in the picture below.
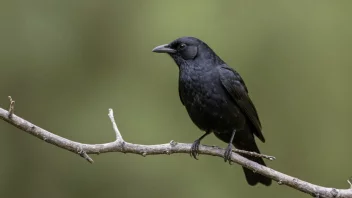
(169, 148)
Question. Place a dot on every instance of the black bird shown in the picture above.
(216, 99)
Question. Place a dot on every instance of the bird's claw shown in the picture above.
(228, 153)
(195, 149)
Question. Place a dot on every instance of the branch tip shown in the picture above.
(12, 107)
(83, 154)
(111, 113)
(86, 156)
(349, 181)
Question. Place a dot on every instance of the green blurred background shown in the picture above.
(66, 62)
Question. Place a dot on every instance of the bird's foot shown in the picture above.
(195, 149)
(227, 154)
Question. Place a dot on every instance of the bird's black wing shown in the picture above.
(235, 86)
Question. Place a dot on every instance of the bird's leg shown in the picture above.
(228, 151)
(195, 146)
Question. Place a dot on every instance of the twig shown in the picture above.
(12, 107)
(83, 154)
(254, 154)
(114, 126)
(170, 148)
(349, 182)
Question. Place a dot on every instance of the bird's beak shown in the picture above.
(164, 49)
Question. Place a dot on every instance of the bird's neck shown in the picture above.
(200, 64)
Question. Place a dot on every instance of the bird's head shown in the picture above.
(189, 50)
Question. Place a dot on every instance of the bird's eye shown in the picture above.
(181, 46)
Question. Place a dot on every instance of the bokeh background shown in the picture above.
(66, 62)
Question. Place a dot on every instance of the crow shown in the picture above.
(216, 99)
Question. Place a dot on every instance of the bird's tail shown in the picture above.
(253, 178)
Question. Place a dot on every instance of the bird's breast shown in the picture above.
(205, 100)
(197, 89)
